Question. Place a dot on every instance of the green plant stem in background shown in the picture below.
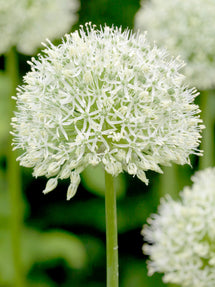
(111, 233)
(169, 181)
(14, 180)
(207, 142)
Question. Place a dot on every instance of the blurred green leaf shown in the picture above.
(44, 246)
(94, 181)
(4, 201)
(39, 247)
(135, 274)
(131, 212)
(37, 277)
(45, 283)
(6, 263)
(95, 249)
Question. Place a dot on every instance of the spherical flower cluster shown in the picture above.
(25, 24)
(185, 28)
(104, 96)
(182, 236)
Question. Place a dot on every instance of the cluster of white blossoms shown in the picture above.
(185, 28)
(181, 236)
(26, 23)
(104, 96)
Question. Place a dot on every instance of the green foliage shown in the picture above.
(37, 246)
(120, 12)
(40, 247)
(54, 244)
(134, 275)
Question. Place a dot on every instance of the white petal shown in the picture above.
(50, 185)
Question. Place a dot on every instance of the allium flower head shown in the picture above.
(26, 23)
(182, 236)
(185, 28)
(104, 96)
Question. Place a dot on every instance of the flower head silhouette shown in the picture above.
(104, 97)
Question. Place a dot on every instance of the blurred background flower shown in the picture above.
(185, 28)
(24, 24)
(181, 238)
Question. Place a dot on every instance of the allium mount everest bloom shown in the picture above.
(185, 28)
(25, 24)
(104, 97)
(181, 236)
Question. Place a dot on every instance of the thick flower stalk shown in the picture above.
(104, 97)
(181, 237)
(25, 23)
(185, 28)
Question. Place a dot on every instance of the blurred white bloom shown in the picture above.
(26, 23)
(185, 28)
(181, 236)
(104, 96)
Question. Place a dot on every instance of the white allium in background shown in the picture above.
(26, 23)
(104, 96)
(185, 28)
(181, 236)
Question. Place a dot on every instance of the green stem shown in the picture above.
(207, 142)
(14, 180)
(169, 181)
(111, 233)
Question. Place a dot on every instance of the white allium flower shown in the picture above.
(181, 236)
(26, 23)
(104, 96)
(185, 28)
